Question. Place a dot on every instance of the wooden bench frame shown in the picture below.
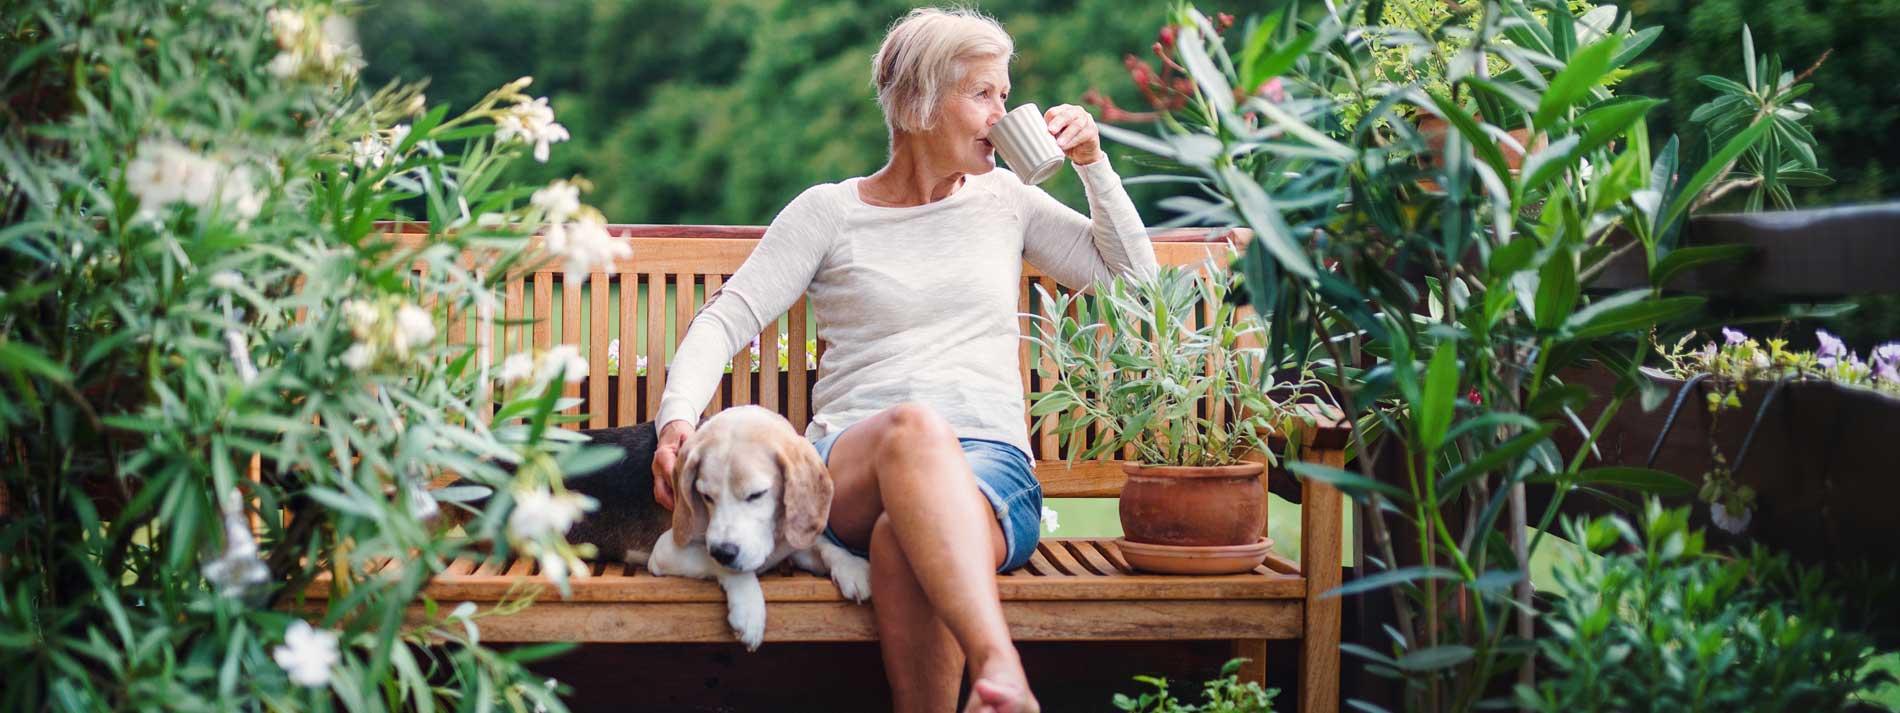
(1074, 589)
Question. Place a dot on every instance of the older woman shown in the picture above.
(914, 273)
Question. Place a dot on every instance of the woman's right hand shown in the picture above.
(666, 458)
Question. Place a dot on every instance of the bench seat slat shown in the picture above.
(616, 583)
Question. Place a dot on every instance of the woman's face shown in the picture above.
(966, 115)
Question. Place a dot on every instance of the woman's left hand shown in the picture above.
(1074, 129)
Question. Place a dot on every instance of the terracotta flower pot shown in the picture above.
(1193, 506)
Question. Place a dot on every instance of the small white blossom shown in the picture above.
(227, 280)
(540, 512)
(241, 355)
(1733, 523)
(283, 66)
(586, 246)
(164, 172)
(307, 654)
(358, 357)
(560, 200)
(1050, 519)
(414, 328)
(613, 356)
(361, 316)
(563, 362)
(517, 368)
(530, 122)
(286, 25)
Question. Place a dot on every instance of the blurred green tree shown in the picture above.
(722, 111)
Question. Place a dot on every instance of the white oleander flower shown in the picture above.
(241, 355)
(286, 25)
(560, 200)
(358, 356)
(307, 654)
(368, 152)
(414, 328)
(585, 246)
(238, 568)
(361, 316)
(530, 122)
(540, 512)
(565, 363)
(283, 66)
(1734, 523)
(164, 172)
(227, 280)
(517, 368)
(1050, 519)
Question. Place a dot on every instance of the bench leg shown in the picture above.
(1255, 652)
(1321, 526)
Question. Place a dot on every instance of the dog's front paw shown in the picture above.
(748, 623)
(852, 574)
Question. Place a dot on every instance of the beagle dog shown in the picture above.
(749, 492)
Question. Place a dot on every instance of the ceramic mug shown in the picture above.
(1023, 139)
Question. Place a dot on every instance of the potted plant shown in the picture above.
(1194, 398)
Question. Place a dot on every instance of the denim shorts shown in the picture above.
(1004, 474)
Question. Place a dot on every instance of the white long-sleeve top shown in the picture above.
(916, 303)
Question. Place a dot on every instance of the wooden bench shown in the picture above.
(1074, 589)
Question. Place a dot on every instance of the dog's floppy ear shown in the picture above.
(805, 504)
(689, 511)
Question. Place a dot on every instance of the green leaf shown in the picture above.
(1482, 143)
(1270, 229)
(1192, 49)
(1587, 68)
(1513, 256)
(1710, 171)
(1402, 575)
(1492, 459)
(1276, 64)
(1609, 316)
(1647, 480)
(1556, 290)
(1256, 48)
(1610, 120)
(1346, 480)
(1685, 258)
(1436, 400)
(1635, 45)
(19, 357)
(1436, 657)
(1137, 140)
(1545, 166)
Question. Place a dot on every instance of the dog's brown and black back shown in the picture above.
(627, 517)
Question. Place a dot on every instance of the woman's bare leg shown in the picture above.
(896, 473)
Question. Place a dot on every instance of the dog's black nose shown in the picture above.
(725, 553)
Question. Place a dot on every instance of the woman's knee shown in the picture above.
(911, 424)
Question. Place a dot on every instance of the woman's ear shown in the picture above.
(805, 504)
(689, 511)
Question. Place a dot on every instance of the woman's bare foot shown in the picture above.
(1001, 687)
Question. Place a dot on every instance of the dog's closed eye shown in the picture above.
(756, 496)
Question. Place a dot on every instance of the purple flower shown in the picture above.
(1888, 353)
(1832, 348)
(1887, 371)
(1733, 337)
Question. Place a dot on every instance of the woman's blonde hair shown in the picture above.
(925, 56)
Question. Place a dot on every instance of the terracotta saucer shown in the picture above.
(1176, 559)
